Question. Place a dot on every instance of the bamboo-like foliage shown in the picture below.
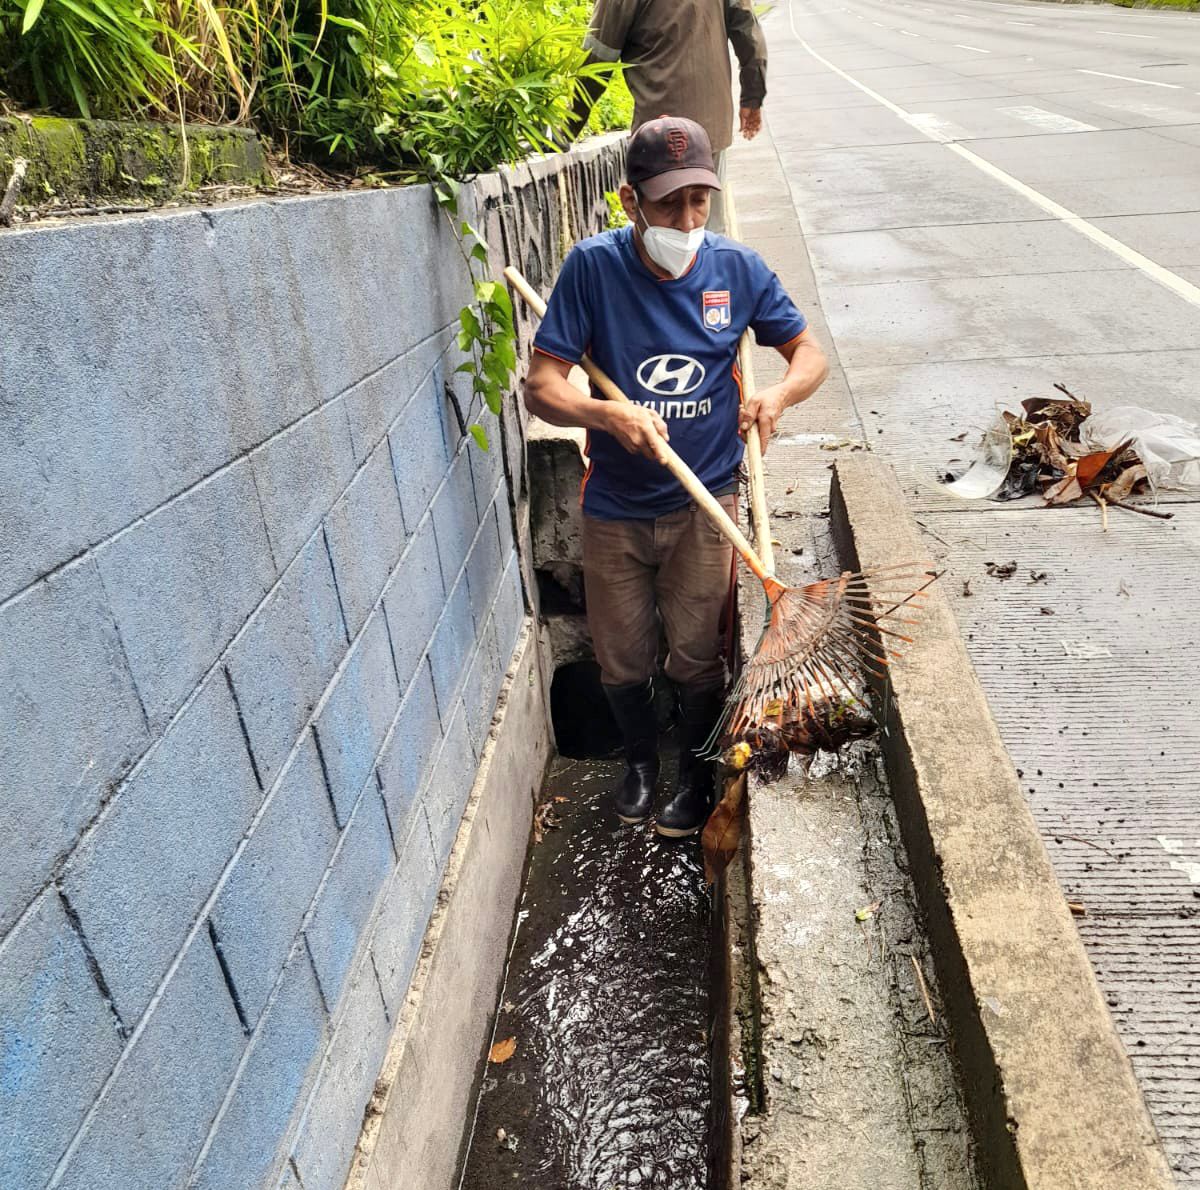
(452, 87)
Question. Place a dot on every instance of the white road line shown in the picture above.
(1153, 111)
(937, 127)
(1046, 121)
(1126, 79)
(1169, 280)
(1109, 33)
(973, 48)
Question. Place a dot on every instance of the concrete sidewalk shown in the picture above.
(1088, 654)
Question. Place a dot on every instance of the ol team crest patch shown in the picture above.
(716, 309)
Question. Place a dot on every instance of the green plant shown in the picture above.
(616, 212)
(456, 86)
(486, 324)
(614, 109)
(100, 57)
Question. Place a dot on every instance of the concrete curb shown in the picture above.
(1052, 1094)
(416, 1126)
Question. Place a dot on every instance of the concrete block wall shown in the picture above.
(258, 593)
(256, 603)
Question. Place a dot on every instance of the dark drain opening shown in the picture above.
(583, 724)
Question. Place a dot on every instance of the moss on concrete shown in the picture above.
(91, 160)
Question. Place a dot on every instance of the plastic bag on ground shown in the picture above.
(1168, 446)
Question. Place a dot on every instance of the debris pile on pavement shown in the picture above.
(1059, 448)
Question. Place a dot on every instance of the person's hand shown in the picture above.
(639, 430)
(751, 121)
(764, 407)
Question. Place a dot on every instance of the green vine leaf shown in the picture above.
(480, 436)
(468, 230)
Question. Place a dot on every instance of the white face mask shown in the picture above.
(670, 249)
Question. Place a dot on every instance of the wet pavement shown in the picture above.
(607, 997)
(942, 293)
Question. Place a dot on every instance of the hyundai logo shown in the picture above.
(670, 375)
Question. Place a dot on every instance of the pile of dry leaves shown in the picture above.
(1060, 449)
(1047, 455)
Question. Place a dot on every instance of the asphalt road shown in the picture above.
(990, 198)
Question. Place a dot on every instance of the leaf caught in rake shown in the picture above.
(818, 641)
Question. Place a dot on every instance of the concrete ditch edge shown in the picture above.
(1051, 1091)
(413, 1131)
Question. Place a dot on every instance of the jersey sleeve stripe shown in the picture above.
(562, 359)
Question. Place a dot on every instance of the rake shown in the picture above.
(817, 636)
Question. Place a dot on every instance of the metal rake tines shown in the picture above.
(820, 638)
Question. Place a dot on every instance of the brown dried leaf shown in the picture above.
(1065, 415)
(502, 1050)
(1050, 446)
(1122, 487)
(723, 830)
(1063, 492)
(545, 819)
(1087, 469)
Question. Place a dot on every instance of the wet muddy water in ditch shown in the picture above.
(607, 996)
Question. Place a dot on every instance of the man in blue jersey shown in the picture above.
(660, 306)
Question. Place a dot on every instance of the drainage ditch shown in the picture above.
(606, 1007)
(782, 1029)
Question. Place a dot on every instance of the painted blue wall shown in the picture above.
(257, 597)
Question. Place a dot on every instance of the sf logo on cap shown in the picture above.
(677, 143)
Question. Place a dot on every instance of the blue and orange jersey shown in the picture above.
(671, 346)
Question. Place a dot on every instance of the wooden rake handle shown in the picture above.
(754, 453)
(667, 456)
(754, 466)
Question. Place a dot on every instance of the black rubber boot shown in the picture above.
(688, 810)
(633, 708)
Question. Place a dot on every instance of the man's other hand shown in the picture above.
(751, 121)
(639, 430)
(766, 408)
